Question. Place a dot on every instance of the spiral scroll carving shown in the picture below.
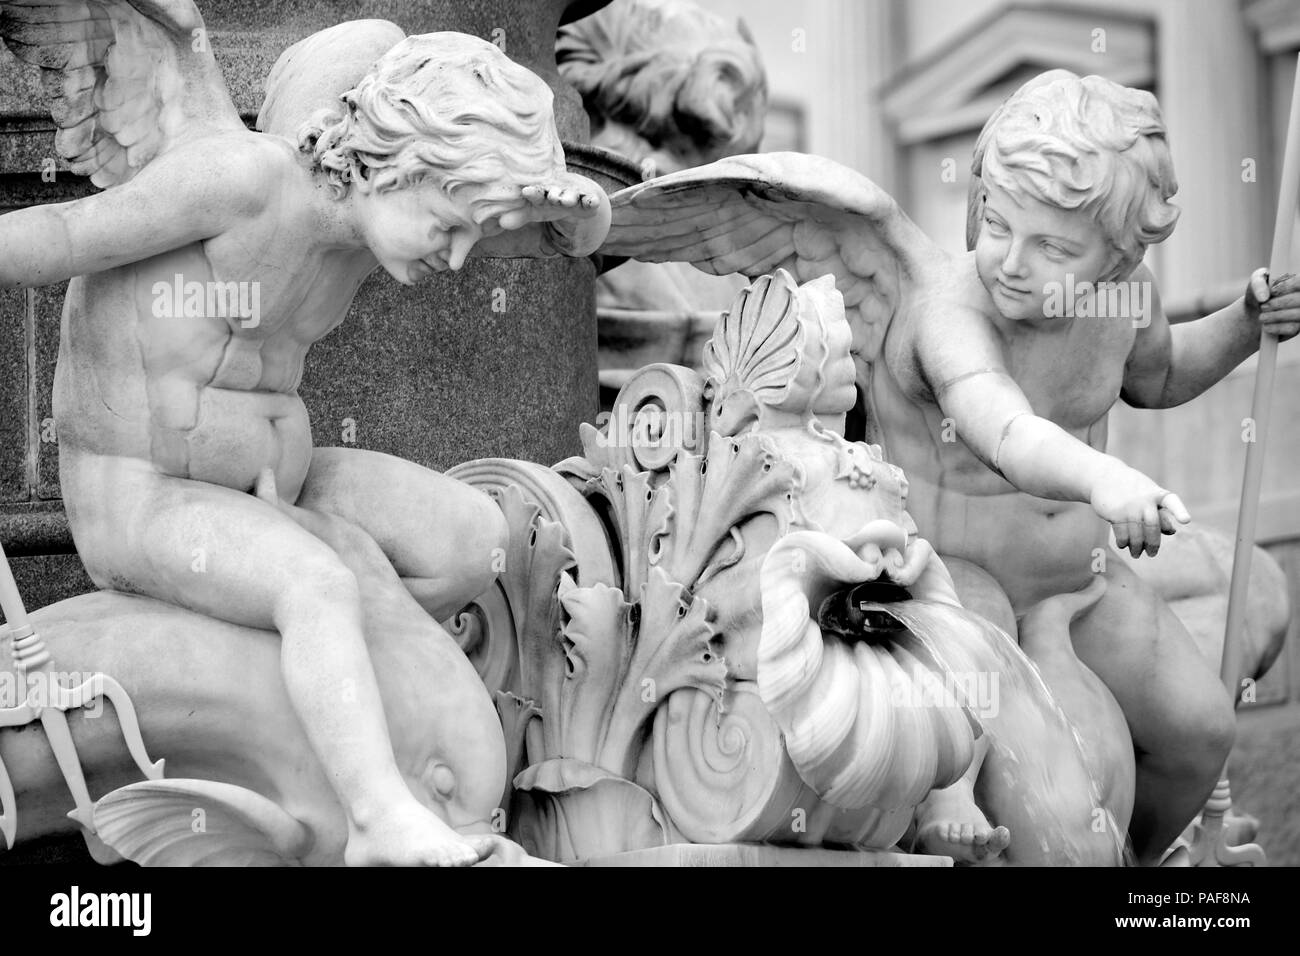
(724, 778)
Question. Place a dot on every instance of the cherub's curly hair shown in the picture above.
(683, 78)
(441, 105)
(1082, 143)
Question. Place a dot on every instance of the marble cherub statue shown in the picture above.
(169, 418)
(991, 399)
(668, 85)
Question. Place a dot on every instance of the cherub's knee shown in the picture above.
(1206, 732)
(318, 586)
(481, 538)
(1217, 726)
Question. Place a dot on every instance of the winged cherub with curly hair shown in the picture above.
(990, 387)
(169, 417)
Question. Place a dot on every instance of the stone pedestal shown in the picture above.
(743, 854)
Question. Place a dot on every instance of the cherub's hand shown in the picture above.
(1274, 305)
(573, 217)
(1138, 509)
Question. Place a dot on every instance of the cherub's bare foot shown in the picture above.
(949, 824)
(411, 835)
(498, 851)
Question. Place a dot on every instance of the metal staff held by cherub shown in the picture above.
(1211, 847)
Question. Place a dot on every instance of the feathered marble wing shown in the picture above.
(313, 73)
(759, 213)
(127, 79)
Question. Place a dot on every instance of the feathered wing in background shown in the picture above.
(759, 213)
(127, 79)
(311, 75)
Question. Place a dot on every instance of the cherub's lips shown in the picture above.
(1010, 289)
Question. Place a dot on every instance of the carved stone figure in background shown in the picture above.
(199, 280)
(993, 404)
(668, 85)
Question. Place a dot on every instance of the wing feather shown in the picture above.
(756, 214)
(125, 78)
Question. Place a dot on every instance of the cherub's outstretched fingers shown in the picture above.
(1174, 505)
(565, 196)
(560, 199)
(1121, 534)
(568, 214)
(1151, 529)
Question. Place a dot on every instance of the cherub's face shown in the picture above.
(418, 230)
(1027, 247)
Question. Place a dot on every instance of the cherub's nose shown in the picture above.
(1013, 262)
(462, 241)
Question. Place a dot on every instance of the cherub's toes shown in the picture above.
(460, 855)
(967, 834)
(534, 194)
(990, 843)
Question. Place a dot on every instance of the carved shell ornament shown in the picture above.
(782, 346)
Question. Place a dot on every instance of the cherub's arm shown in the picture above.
(959, 359)
(1172, 365)
(188, 194)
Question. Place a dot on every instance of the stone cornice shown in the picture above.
(955, 88)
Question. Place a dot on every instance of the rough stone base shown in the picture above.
(737, 854)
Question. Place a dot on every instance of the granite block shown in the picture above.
(436, 375)
(48, 313)
(13, 396)
(45, 579)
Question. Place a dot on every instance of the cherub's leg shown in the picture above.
(948, 822)
(1179, 714)
(234, 557)
(446, 539)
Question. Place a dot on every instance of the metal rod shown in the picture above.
(1248, 512)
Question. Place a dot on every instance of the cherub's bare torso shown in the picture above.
(1071, 374)
(211, 398)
